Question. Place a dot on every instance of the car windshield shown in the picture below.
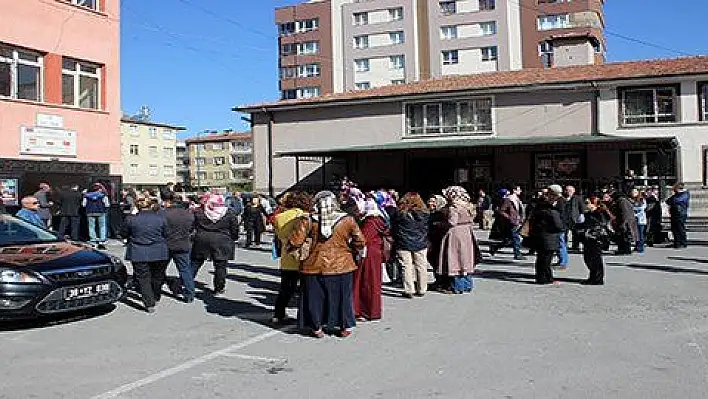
(14, 231)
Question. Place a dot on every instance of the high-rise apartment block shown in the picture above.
(331, 46)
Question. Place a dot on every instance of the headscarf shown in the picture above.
(456, 193)
(371, 208)
(327, 212)
(384, 199)
(440, 201)
(215, 207)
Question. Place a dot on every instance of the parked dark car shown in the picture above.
(41, 274)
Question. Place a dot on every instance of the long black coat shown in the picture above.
(147, 237)
(546, 226)
(215, 240)
(69, 203)
(253, 217)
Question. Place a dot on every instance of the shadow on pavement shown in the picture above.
(661, 268)
(697, 260)
(521, 278)
(271, 271)
(56, 320)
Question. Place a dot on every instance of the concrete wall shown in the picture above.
(690, 131)
(58, 29)
(573, 52)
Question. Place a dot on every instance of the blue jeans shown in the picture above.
(516, 241)
(186, 273)
(99, 219)
(563, 251)
(641, 237)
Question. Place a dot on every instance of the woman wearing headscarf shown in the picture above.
(436, 232)
(147, 250)
(459, 252)
(410, 232)
(368, 277)
(294, 207)
(327, 272)
(216, 230)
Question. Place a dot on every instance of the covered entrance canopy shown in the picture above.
(426, 165)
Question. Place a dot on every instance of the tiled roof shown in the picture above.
(521, 78)
(211, 138)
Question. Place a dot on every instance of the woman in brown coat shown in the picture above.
(327, 272)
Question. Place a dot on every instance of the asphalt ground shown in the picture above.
(643, 335)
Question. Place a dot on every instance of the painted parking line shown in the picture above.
(228, 351)
(257, 358)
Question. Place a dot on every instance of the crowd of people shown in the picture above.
(337, 248)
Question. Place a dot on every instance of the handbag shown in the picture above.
(525, 228)
(302, 252)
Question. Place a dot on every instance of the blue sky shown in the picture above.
(191, 61)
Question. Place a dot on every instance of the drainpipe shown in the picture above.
(269, 115)
(595, 110)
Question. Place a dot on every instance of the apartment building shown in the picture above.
(305, 49)
(221, 160)
(59, 93)
(558, 33)
(149, 153)
(377, 43)
(182, 164)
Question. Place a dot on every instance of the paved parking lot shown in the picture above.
(644, 335)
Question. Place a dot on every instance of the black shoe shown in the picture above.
(407, 295)
(151, 310)
(492, 251)
(420, 295)
(102, 247)
(188, 299)
(220, 291)
(592, 282)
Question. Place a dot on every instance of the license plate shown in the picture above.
(86, 291)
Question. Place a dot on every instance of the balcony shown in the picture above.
(247, 165)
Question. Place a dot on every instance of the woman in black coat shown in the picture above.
(253, 220)
(147, 250)
(216, 230)
(546, 225)
(596, 236)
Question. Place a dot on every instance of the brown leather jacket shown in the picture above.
(333, 256)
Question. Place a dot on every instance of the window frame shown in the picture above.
(492, 53)
(475, 127)
(97, 5)
(399, 35)
(362, 85)
(361, 18)
(452, 60)
(219, 161)
(392, 65)
(395, 14)
(301, 25)
(361, 42)
(76, 74)
(487, 5)
(168, 168)
(155, 168)
(703, 101)
(134, 150)
(303, 48)
(622, 97)
(493, 31)
(562, 22)
(168, 153)
(449, 7)
(134, 169)
(14, 64)
(364, 61)
(448, 29)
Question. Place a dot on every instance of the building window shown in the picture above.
(289, 94)
(219, 160)
(308, 48)
(134, 149)
(648, 105)
(200, 147)
(308, 92)
(362, 85)
(168, 152)
(450, 117)
(201, 176)
(287, 28)
(448, 7)
(489, 53)
(361, 18)
(20, 74)
(240, 146)
(488, 28)
(450, 57)
(153, 170)
(133, 170)
(545, 50)
(307, 25)
(152, 132)
(361, 42)
(217, 146)
(168, 170)
(240, 159)
(396, 37)
(289, 49)
(644, 168)
(92, 4)
(703, 90)
(169, 134)
(152, 151)
(398, 82)
(548, 22)
(487, 5)
(361, 65)
(219, 175)
(200, 161)
(81, 84)
(134, 131)
(397, 62)
(308, 71)
(287, 72)
(395, 14)
(448, 32)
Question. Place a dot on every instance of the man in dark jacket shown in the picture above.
(556, 193)
(624, 223)
(509, 221)
(44, 196)
(69, 202)
(180, 228)
(574, 210)
(678, 210)
(546, 229)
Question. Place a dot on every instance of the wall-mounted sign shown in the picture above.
(45, 141)
(8, 192)
(50, 121)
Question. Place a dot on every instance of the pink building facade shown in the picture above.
(59, 93)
